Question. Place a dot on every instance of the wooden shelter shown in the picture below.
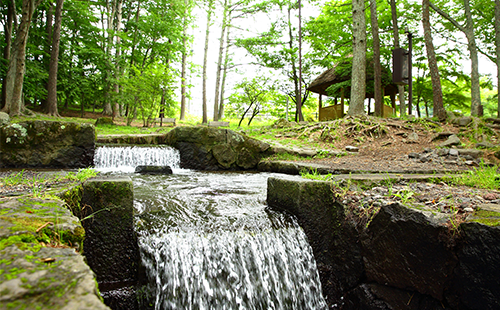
(340, 74)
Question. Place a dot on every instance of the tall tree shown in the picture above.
(54, 61)
(377, 67)
(17, 61)
(395, 31)
(358, 84)
(184, 59)
(437, 91)
(8, 29)
(468, 30)
(118, 49)
(224, 26)
(210, 8)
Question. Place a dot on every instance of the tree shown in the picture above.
(377, 67)
(468, 30)
(17, 61)
(358, 88)
(54, 61)
(278, 49)
(439, 110)
(210, 9)
(8, 28)
(250, 96)
(395, 29)
(224, 28)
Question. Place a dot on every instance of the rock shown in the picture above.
(208, 148)
(333, 240)
(351, 149)
(111, 245)
(474, 284)
(414, 155)
(453, 152)
(442, 135)
(442, 152)
(403, 248)
(375, 296)
(67, 283)
(452, 140)
(282, 123)
(471, 152)
(104, 121)
(33, 276)
(4, 118)
(485, 145)
(462, 121)
(153, 170)
(413, 137)
(44, 144)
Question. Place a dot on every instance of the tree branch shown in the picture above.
(448, 17)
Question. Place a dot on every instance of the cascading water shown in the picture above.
(208, 241)
(125, 159)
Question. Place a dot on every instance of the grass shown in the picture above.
(482, 177)
(37, 182)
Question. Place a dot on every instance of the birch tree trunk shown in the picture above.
(358, 82)
(395, 29)
(437, 92)
(54, 60)
(377, 67)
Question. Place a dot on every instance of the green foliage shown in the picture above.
(146, 90)
(482, 177)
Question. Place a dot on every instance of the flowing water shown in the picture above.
(208, 241)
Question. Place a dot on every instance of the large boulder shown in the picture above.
(475, 282)
(44, 144)
(409, 249)
(208, 148)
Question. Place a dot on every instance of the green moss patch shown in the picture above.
(486, 217)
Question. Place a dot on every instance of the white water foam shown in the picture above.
(126, 159)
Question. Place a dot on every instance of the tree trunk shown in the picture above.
(437, 92)
(47, 47)
(358, 82)
(298, 101)
(54, 60)
(468, 30)
(224, 71)
(497, 46)
(184, 59)
(207, 33)
(219, 60)
(395, 29)
(17, 61)
(11, 15)
(118, 29)
(377, 67)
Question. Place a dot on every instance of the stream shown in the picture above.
(208, 240)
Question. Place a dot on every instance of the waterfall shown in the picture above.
(208, 241)
(125, 159)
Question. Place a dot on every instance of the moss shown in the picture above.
(490, 218)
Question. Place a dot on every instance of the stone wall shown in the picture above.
(44, 144)
(404, 259)
(111, 245)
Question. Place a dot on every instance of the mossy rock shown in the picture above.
(104, 121)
